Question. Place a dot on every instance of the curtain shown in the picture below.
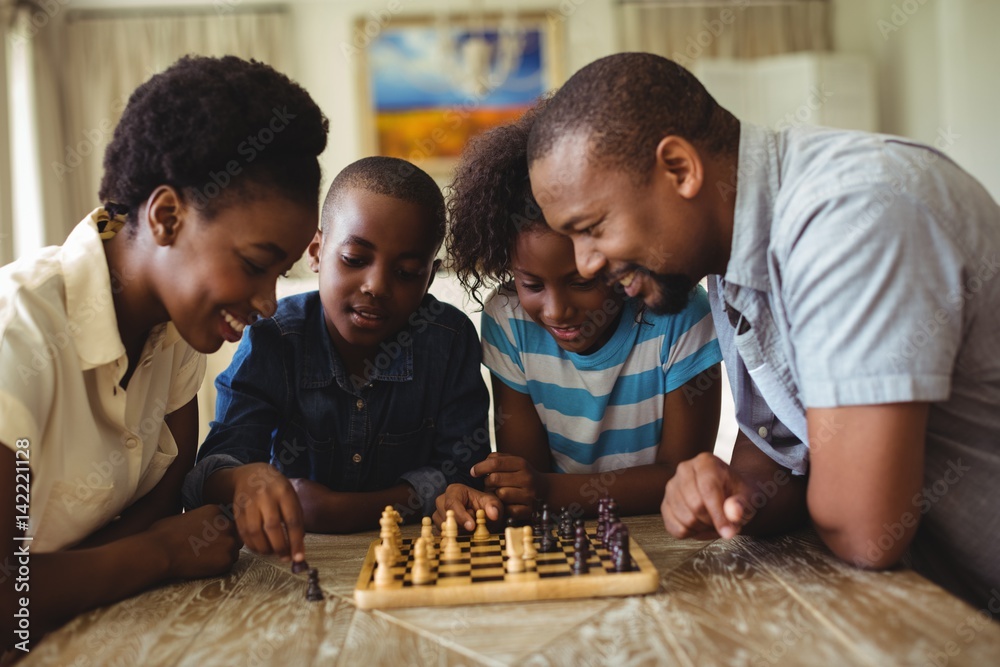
(106, 58)
(720, 29)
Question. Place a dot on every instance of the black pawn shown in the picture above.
(313, 592)
(299, 566)
(566, 525)
(602, 516)
(622, 558)
(581, 543)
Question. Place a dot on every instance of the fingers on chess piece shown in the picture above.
(299, 566)
(313, 592)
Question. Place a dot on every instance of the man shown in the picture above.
(852, 284)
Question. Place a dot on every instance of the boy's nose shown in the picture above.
(588, 261)
(375, 284)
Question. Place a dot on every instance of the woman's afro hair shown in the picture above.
(214, 128)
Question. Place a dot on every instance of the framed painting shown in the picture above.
(430, 84)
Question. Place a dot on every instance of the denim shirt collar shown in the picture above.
(756, 189)
(324, 364)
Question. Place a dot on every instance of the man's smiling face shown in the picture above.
(647, 234)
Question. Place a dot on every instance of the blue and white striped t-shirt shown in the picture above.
(603, 411)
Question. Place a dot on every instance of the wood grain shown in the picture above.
(781, 601)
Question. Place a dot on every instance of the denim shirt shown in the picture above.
(863, 272)
(418, 416)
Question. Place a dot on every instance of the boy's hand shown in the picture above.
(199, 543)
(463, 499)
(514, 481)
(268, 512)
(706, 499)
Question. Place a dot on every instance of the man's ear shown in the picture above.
(434, 270)
(165, 214)
(314, 249)
(679, 161)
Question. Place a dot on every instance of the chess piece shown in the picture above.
(449, 531)
(421, 572)
(580, 540)
(622, 558)
(602, 518)
(528, 545)
(515, 563)
(299, 566)
(548, 543)
(387, 533)
(397, 534)
(482, 532)
(313, 592)
(384, 560)
(565, 524)
(427, 532)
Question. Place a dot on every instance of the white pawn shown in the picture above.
(482, 532)
(397, 534)
(385, 560)
(449, 531)
(421, 572)
(427, 533)
(387, 534)
(514, 561)
(528, 544)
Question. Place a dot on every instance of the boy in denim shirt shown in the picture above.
(363, 394)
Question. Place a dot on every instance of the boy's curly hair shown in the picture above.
(490, 203)
(215, 129)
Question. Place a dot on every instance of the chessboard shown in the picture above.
(480, 576)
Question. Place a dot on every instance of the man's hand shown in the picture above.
(706, 499)
(514, 481)
(268, 512)
(465, 500)
(199, 543)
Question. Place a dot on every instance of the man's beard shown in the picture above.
(672, 293)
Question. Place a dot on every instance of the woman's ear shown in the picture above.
(679, 161)
(164, 214)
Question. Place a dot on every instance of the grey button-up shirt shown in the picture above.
(863, 271)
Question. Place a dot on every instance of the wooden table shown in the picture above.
(781, 601)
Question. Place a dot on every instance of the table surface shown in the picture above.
(784, 600)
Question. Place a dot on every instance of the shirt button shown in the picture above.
(762, 431)
(131, 443)
(356, 458)
(360, 404)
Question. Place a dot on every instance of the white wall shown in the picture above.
(937, 72)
